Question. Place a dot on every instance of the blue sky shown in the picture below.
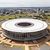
(24, 3)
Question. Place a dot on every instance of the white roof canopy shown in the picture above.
(38, 25)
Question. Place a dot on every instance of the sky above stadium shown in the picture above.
(24, 3)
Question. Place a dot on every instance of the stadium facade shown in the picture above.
(24, 29)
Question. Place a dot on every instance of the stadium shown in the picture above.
(24, 29)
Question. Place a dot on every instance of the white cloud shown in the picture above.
(24, 3)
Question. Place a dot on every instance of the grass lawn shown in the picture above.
(29, 48)
(4, 44)
(48, 17)
(23, 48)
(33, 48)
(14, 16)
(8, 45)
(6, 17)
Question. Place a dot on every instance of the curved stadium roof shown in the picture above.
(36, 25)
